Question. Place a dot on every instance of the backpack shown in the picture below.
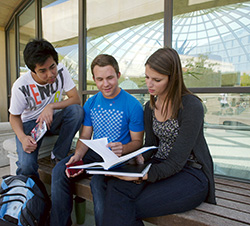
(24, 201)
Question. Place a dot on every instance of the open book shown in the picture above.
(109, 157)
(129, 170)
(38, 132)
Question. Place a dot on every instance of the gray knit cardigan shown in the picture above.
(190, 139)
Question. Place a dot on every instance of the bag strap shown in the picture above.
(13, 194)
(21, 186)
(13, 200)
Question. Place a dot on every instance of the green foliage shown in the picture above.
(199, 72)
(140, 81)
(245, 80)
(91, 83)
(195, 68)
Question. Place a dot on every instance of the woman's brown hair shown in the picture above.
(166, 61)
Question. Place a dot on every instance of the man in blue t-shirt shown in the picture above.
(111, 113)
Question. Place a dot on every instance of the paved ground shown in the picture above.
(231, 152)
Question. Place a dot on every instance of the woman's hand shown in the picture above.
(130, 178)
(125, 178)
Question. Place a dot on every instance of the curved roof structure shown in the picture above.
(221, 33)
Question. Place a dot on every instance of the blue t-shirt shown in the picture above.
(114, 118)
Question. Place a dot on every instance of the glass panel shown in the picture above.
(26, 32)
(213, 43)
(11, 66)
(60, 27)
(11, 57)
(130, 31)
(227, 131)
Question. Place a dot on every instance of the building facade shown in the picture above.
(211, 36)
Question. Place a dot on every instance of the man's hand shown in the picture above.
(75, 158)
(139, 159)
(46, 115)
(116, 147)
(29, 144)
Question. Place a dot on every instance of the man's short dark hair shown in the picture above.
(103, 60)
(37, 51)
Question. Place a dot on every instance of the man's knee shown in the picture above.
(59, 170)
(75, 109)
(75, 112)
(27, 169)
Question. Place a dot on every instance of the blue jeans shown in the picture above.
(65, 124)
(61, 190)
(98, 186)
(126, 203)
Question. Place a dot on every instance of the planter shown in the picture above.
(9, 146)
(6, 132)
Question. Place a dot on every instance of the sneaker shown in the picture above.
(52, 156)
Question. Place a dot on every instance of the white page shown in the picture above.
(134, 153)
(109, 157)
(93, 165)
(130, 174)
(115, 173)
(99, 146)
(146, 169)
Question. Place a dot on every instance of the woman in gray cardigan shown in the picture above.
(181, 175)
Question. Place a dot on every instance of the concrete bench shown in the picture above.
(233, 198)
(6, 132)
(9, 146)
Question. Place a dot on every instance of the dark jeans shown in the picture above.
(65, 124)
(126, 203)
(61, 190)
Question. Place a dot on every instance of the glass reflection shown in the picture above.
(60, 27)
(26, 32)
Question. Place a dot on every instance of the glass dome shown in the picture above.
(221, 33)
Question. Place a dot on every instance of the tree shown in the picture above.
(245, 80)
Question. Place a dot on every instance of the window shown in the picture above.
(212, 38)
(128, 30)
(211, 46)
(60, 27)
(26, 21)
(11, 46)
(213, 53)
